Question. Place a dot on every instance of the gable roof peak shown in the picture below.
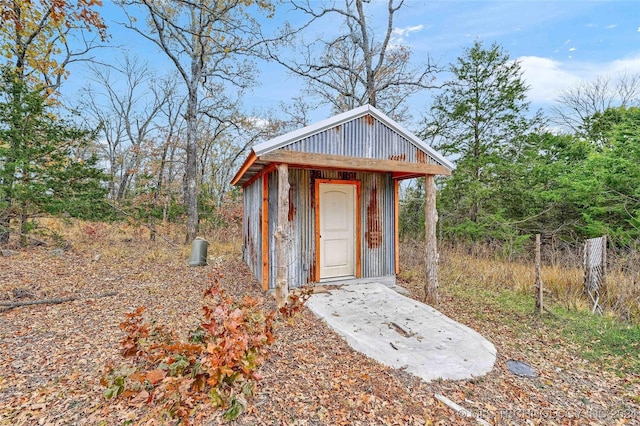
(337, 120)
(282, 140)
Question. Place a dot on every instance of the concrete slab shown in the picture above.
(403, 333)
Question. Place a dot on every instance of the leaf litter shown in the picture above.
(54, 355)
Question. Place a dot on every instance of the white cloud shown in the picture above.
(547, 77)
(610, 27)
(628, 65)
(399, 35)
(402, 32)
(260, 123)
(573, 49)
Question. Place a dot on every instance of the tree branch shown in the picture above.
(12, 305)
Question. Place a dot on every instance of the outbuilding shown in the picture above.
(321, 203)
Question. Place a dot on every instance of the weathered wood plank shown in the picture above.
(265, 231)
(352, 163)
(431, 259)
(282, 237)
(245, 166)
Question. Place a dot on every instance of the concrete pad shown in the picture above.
(403, 333)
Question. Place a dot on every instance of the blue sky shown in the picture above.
(559, 43)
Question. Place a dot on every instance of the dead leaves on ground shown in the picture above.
(53, 356)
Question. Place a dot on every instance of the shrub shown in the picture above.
(218, 363)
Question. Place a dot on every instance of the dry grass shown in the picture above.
(110, 239)
(563, 282)
(482, 291)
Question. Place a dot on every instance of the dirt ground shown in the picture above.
(53, 355)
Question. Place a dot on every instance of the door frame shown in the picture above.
(356, 183)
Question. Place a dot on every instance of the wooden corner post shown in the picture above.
(282, 237)
(431, 245)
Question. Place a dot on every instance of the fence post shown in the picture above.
(539, 286)
(604, 260)
(594, 269)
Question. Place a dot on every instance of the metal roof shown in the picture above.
(253, 163)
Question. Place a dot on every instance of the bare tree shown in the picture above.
(356, 67)
(126, 100)
(576, 105)
(204, 40)
(167, 172)
(221, 152)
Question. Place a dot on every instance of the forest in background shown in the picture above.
(154, 147)
(142, 154)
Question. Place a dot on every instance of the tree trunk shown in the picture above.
(191, 184)
(122, 188)
(282, 237)
(431, 218)
(158, 188)
(5, 215)
(5, 219)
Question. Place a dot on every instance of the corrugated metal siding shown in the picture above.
(251, 223)
(364, 137)
(301, 227)
(377, 223)
(302, 222)
(377, 247)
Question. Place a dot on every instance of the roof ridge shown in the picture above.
(312, 129)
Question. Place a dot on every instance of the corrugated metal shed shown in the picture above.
(361, 148)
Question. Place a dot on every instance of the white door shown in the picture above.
(337, 230)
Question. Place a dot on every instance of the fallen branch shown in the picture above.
(11, 305)
(460, 410)
(401, 331)
(25, 235)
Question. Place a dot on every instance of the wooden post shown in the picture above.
(603, 281)
(282, 237)
(265, 231)
(396, 224)
(431, 259)
(539, 288)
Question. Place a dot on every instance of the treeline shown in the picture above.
(152, 145)
(569, 176)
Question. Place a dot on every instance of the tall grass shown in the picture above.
(477, 287)
(128, 240)
(562, 280)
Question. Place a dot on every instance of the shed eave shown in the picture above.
(341, 162)
(259, 155)
(286, 139)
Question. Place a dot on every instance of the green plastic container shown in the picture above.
(198, 255)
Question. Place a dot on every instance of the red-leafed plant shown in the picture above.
(219, 362)
(295, 302)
